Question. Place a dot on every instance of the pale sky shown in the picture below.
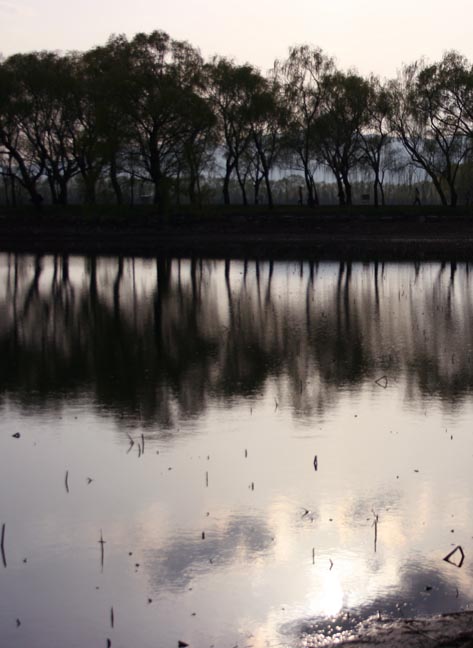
(372, 36)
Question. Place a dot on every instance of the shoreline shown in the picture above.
(255, 233)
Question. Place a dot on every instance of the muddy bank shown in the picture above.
(285, 236)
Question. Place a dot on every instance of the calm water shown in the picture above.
(175, 410)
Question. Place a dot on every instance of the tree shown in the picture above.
(429, 124)
(302, 76)
(375, 135)
(231, 88)
(103, 137)
(338, 127)
(45, 115)
(23, 165)
(267, 115)
(159, 79)
(198, 144)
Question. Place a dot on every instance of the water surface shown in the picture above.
(270, 452)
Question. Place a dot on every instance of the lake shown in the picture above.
(231, 453)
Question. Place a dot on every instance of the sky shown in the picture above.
(369, 35)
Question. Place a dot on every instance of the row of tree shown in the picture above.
(151, 109)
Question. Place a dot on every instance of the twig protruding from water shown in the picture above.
(375, 524)
(2, 545)
(102, 550)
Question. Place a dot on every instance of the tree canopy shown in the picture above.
(151, 110)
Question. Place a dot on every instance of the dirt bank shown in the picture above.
(249, 235)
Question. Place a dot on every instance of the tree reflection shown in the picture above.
(157, 340)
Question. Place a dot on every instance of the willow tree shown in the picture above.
(160, 79)
(302, 77)
(375, 135)
(432, 125)
(267, 116)
(231, 89)
(344, 114)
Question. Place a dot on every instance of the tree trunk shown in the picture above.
(347, 186)
(13, 190)
(268, 190)
(52, 188)
(257, 185)
(383, 198)
(5, 189)
(440, 191)
(241, 182)
(114, 180)
(226, 181)
(310, 187)
(376, 184)
(341, 192)
(132, 189)
(62, 197)
(157, 193)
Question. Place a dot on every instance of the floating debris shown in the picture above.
(449, 557)
(382, 382)
(16, 435)
(313, 555)
(182, 644)
(203, 535)
(112, 618)
(89, 480)
(66, 481)
(18, 623)
(316, 463)
(331, 564)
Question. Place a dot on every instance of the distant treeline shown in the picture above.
(149, 119)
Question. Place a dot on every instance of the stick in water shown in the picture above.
(2, 545)
(102, 552)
